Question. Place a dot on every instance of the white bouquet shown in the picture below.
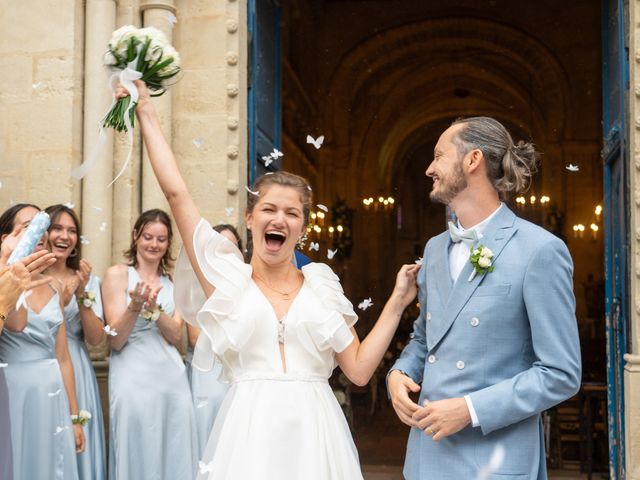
(139, 53)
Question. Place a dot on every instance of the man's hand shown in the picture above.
(442, 418)
(399, 386)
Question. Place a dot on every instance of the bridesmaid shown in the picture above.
(208, 392)
(84, 322)
(14, 281)
(152, 425)
(40, 378)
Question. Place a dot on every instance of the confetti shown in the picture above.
(418, 261)
(198, 142)
(496, 460)
(322, 207)
(228, 211)
(103, 226)
(572, 168)
(276, 154)
(267, 160)
(251, 191)
(366, 303)
(69, 205)
(55, 394)
(60, 430)
(109, 331)
(37, 86)
(202, 402)
(22, 299)
(0, 184)
(314, 246)
(331, 253)
(205, 467)
(97, 209)
(316, 142)
(171, 19)
(84, 240)
(4, 365)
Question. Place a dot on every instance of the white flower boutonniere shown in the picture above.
(481, 259)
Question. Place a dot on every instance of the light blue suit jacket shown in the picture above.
(508, 339)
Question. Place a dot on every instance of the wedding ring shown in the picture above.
(430, 431)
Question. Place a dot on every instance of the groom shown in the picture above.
(496, 342)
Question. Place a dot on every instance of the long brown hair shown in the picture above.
(151, 216)
(54, 211)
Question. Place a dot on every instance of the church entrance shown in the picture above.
(357, 92)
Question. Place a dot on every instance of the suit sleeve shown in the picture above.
(412, 359)
(555, 374)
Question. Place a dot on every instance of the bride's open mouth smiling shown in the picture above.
(274, 239)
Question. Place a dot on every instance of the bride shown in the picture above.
(277, 331)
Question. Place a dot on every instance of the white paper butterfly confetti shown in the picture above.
(418, 261)
(110, 331)
(251, 191)
(171, 19)
(205, 467)
(37, 86)
(572, 168)
(314, 246)
(54, 394)
(322, 207)
(366, 303)
(331, 253)
(60, 430)
(316, 142)
(97, 209)
(103, 226)
(276, 154)
(202, 402)
(84, 240)
(228, 211)
(69, 205)
(4, 365)
(497, 457)
(267, 160)
(198, 142)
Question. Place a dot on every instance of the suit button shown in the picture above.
(431, 359)
(428, 315)
(459, 364)
(475, 321)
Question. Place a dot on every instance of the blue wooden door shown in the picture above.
(615, 155)
(264, 109)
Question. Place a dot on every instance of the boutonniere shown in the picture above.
(481, 259)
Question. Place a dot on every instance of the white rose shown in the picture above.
(484, 262)
(84, 414)
(110, 59)
(485, 252)
(475, 251)
(87, 302)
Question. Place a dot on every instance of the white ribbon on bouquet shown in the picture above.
(125, 78)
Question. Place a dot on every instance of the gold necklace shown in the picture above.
(285, 295)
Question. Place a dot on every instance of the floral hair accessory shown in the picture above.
(82, 418)
(481, 259)
(88, 299)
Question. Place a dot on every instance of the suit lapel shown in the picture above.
(496, 236)
(441, 268)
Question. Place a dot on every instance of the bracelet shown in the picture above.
(152, 315)
(88, 299)
(82, 418)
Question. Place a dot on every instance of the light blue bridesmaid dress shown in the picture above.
(208, 393)
(91, 463)
(152, 424)
(41, 431)
(6, 452)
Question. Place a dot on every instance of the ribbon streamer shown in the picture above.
(125, 78)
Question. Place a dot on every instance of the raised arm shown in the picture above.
(166, 170)
(360, 359)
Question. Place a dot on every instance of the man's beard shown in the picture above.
(450, 187)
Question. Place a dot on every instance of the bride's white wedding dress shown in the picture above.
(272, 424)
